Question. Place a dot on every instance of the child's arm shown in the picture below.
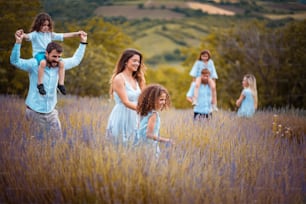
(77, 57)
(73, 34)
(150, 130)
(194, 72)
(23, 64)
(213, 73)
(189, 99)
(23, 34)
(240, 99)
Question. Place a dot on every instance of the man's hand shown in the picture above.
(83, 36)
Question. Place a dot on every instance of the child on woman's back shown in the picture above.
(41, 34)
(153, 98)
(248, 101)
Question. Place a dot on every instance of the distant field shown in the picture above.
(165, 37)
(292, 6)
(162, 9)
(158, 10)
(276, 11)
(297, 16)
(210, 9)
(158, 31)
(161, 37)
(133, 12)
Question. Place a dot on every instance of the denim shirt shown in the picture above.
(37, 102)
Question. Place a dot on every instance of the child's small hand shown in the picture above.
(189, 99)
(82, 33)
(237, 103)
(83, 36)
(171, 142)
(19, 33)
(194, 101)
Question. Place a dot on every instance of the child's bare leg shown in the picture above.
(61, 77)
(41, 70)
(61, 73)
(212, 85)
(196, 91)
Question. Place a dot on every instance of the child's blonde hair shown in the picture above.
(250, 78)
(148, 99)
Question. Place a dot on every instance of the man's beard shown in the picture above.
(204, 81)
(53, 63)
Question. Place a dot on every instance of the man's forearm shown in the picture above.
(15, 54)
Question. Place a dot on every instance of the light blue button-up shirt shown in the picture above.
(204, 105)
(37, 102)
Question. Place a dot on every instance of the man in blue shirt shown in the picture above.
(41, 110)
(203, 109)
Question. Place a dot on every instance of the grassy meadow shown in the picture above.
(224, 160)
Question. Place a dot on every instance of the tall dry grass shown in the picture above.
(224, 160)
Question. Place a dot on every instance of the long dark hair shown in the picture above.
(40, 20)
(120, 66)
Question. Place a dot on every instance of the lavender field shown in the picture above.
(224, 160)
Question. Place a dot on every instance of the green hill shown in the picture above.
(161, 29)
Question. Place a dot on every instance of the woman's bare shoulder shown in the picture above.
(118, 78)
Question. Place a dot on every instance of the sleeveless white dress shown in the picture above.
(122, 122)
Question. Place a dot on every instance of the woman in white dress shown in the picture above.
(126, 83)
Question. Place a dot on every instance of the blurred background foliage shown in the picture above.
(272, 49)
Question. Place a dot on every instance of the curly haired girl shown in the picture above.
(153, 98)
